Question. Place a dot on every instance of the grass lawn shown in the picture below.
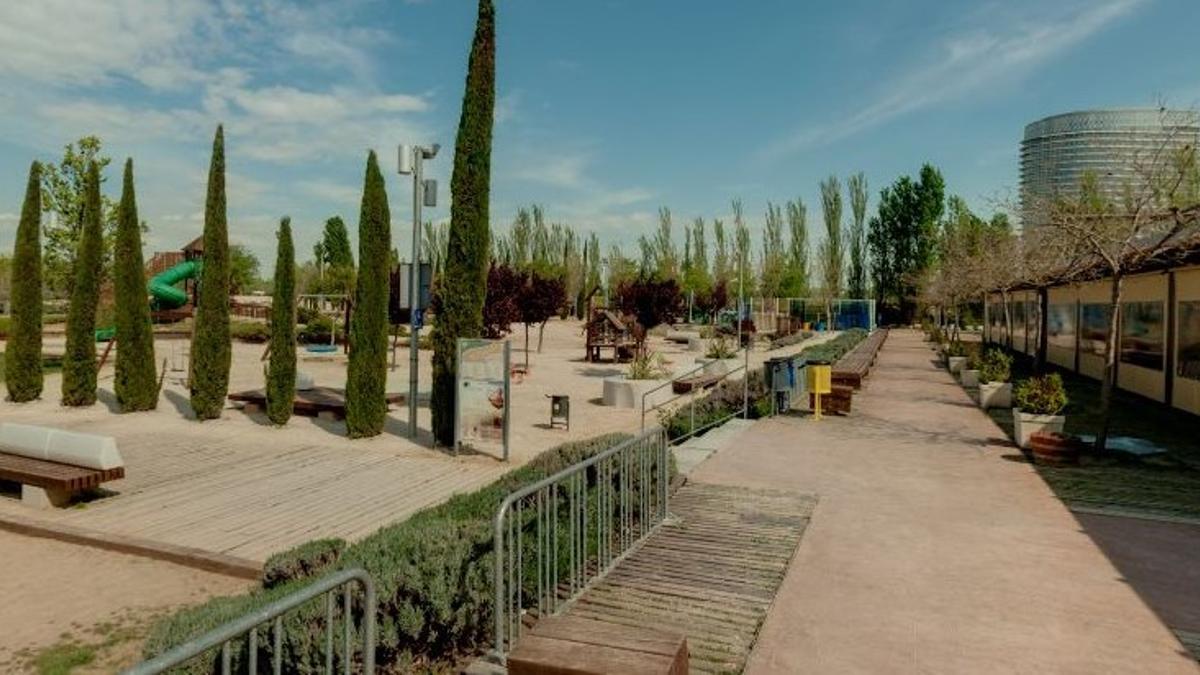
(1164, 484)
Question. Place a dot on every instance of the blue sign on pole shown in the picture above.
(419, 318)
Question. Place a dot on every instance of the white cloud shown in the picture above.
(999, 48)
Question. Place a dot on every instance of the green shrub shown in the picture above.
(366, 373)
(433, 577)
(720, 348)
(995, 366)
(307, 560)
(462, 285)
(305, 314)
(317, 331)
(1044, 395)
(79, 357)
(256, 332)
(792, 339)
(136, 379)
(648, 365)
(956, 348)
(211, 352)
(281, 370)
(23, 329)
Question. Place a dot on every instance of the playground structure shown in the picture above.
(606, 330)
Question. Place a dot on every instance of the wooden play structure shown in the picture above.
(607, 330)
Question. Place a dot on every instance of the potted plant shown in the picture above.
(956, 356)
(647, 372)
(720, 358)
(995, 369)
(1039, 400)
(969, 375)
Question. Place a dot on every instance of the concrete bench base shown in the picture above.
(45, 498)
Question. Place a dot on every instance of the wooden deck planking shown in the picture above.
(224, 497)
(711, 576)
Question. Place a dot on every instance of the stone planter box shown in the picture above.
(1026, 424)
(969, 378)
(956, 363)
(718, 366)
(621, 392)
(995, 395)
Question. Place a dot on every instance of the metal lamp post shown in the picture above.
(411, 161)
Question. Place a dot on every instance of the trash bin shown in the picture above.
(820, 382)
(780, 375)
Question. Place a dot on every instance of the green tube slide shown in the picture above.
(163, 293)
(162, 286)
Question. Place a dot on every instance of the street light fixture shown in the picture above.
(410, 161)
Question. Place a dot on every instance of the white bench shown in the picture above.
(52, 465)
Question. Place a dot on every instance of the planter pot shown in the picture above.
(969, 378)
(621, 392)
(956, 363)
(1054, 449)
(995, 395)
(718, 366)
(1027, 424)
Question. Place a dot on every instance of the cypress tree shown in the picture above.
(23, 356)
(281, 371)
(211, 355)
(366, 379)
(79, 359)
(136, 382)
(463, 283)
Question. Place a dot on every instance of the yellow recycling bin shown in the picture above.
(820, 382)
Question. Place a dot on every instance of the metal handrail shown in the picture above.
(223, 635)
(675, 378)
(630, 498)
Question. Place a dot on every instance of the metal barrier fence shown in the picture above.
(248, 625)
(698, 392)
(555, 536)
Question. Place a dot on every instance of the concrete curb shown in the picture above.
(228, 565)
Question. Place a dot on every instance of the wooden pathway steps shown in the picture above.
(711, 572)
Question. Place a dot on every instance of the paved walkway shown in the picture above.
(930, 549)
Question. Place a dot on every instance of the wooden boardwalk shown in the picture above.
(217, 491)
(711, 573)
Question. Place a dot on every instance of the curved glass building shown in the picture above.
(1058, 150)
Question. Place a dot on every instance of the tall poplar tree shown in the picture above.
(856, 282)
(211, 351)
(23, 355)
(795, 284)
(79, 359)
(832, 251)
(464, 281)
(136, 383)
(366, 378)
(281, 370)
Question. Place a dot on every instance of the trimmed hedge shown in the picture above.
(254, 332)
(433, 576)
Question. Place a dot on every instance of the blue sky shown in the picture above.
(607, 109)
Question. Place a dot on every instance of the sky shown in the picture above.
(606, 110)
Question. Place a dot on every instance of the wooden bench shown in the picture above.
(853, 367)
(52, 465)
(565, 645)
(701, 381)
(837, 402)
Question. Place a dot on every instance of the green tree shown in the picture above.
(721, 268)
(336, 240)
(903, 239)
(23, 355)
(281, 371)
(464, 282)
(79, 358)
(741, 250)
(795, 283)
(211, 351)
(136, 383)
(856, 282)
(244, 269)
(666, 258)
(832, 253)
(774, 259)
(64, 196)
(366, 379)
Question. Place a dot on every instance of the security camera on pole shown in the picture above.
(411, 159)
